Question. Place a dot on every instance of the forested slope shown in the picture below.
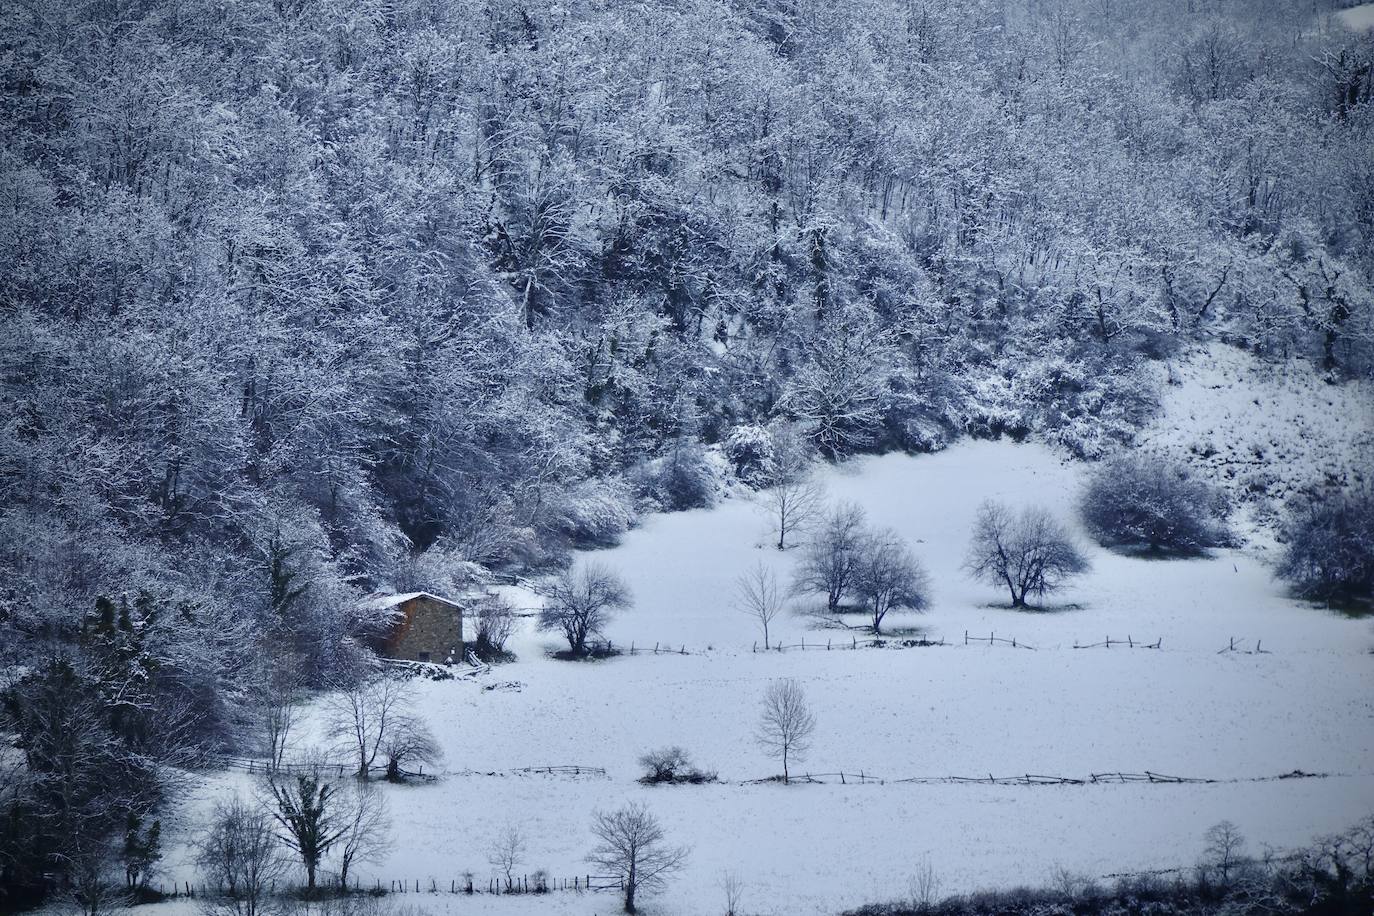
(304, 298)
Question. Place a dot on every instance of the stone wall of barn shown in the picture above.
(430, 631)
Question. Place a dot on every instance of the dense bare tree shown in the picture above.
(580, 602)
(363, 716)
(1146, 501)
(1027, 553)
(1223, 849)
(409, 741)
(831, 557)
(634, 848)
(758, 594)
(240, 858)
(786, 724)
(889, 577)
(310, 819)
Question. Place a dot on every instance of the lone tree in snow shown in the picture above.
(581, 602)
(310, 821)
(507, 851)
(889, 577)
(632, 847)
(240, 855)
(1027, 553)
(757, 594)
(831, 558)
(1145, 501)
(1224, 849)
(364, 717)
(786, 725)
(794, 496)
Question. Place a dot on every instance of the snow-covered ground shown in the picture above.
(1307, 703)
(1358, 18)
(1263, 429)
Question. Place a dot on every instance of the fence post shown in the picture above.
(966, 637)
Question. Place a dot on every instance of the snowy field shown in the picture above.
(1306, 703)
(1358, 18)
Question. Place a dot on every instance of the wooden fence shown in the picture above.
(876, 642)
(993, 639)
(1025, 779)
(1128, 642)
(1235, 646)
(335, 769)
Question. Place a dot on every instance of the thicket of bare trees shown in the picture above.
(1027, 552)
(1145, 501)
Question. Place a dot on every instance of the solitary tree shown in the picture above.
(241, 857)
(1027, 553)
(889, 577)
(632, 847)
(365, 836)
(363, 717)
(1224, 849)
(758, 595)
(831, 557)
(794, 497)
(580, 602)
(785, 728)
(308, 820)
(409, 740)
(507, 851)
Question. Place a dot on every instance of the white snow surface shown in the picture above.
(1358, 18)
(1306, 703)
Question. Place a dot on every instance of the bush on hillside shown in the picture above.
(1147, 502)
(1329, 547)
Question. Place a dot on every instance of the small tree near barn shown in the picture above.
(581, 602)
(633, 848)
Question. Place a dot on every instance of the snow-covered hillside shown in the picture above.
(1265, 430)
(1305, 703)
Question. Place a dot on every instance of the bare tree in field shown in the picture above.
(241, 857)
(1225, 848)
(581, 602)
(786, 726)
(366, 833)
(794, 497)
(1026, 553)
(830, 559)
(889, 577)
(363, 716)
(409, 740)
(733, 887)
(279, 685)
(757, 594)
(507, 851)
(632, 847)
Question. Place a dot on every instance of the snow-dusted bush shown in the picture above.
(683, 479)
(1329, 547)
(495, 620)
(1147, 501)
(671, 765)
(594, 513)
(750, 450)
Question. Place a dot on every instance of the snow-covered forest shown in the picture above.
(307, 300)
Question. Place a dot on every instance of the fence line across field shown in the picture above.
(1027, 779)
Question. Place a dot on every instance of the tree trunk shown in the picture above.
(630, 883)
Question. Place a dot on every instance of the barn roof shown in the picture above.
(387, 602)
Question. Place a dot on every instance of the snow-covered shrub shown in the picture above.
(750, 450)
(671, 765)
(1329, 547)
(594, 513)
(495, 621)
(1147, 501)
(683, 479)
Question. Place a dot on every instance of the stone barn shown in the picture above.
(426, 628)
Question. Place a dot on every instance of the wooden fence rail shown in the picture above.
(1128, 642)
(993, 639)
